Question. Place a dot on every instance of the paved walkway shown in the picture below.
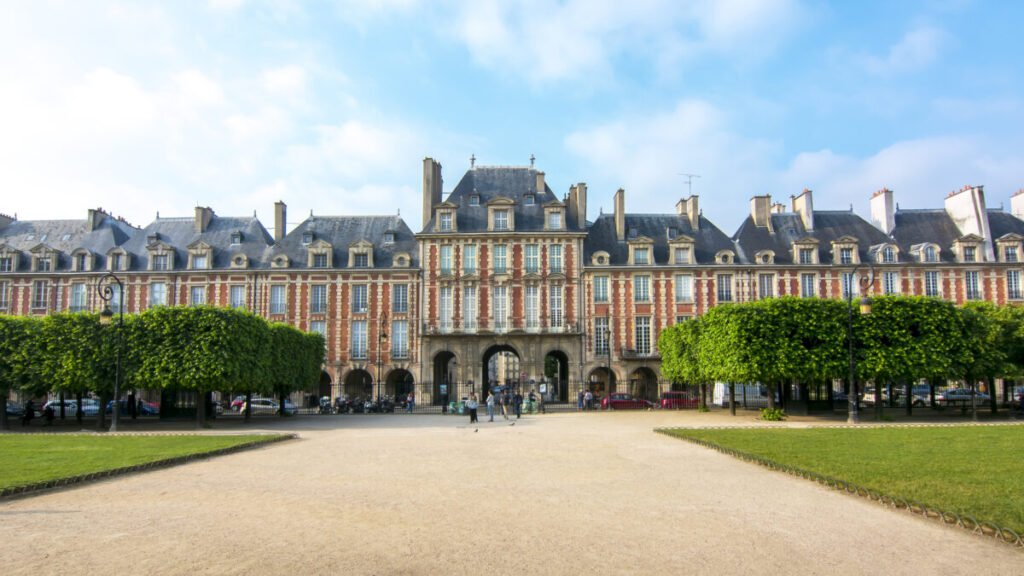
(554, 494)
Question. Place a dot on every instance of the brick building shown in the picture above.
(507, 282)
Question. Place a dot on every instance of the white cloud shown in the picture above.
(357, 150)
(284, 80)
(195, 89)
(917, 49)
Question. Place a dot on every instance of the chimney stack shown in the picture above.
(581, 205)
(280, 220)
(693, 212)
(620, 214)
(431, 188)
(540, 183)
(883, 214)
(203, 217)
(1017, 204)
(804, 206)
(94, 219)
(761, 210)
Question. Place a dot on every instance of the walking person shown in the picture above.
(588, 400)
(410, 402)
(579, 400)
(506, 399)
(471, 406)
(517, 402)
(490, 405)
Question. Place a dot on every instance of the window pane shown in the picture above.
(359, 339)
(277, 303)
(555, 259)
(724, 285)
(684, 288)
(641, 289)
(601, 289)
(532, 308)
(400, 298)
(469, 307)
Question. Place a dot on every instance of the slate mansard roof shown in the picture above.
(708, 238)
(788, 227)
(180, 233)
(491, 182)
(341, 231)
(66, 236)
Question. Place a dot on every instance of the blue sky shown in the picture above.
(146, 107)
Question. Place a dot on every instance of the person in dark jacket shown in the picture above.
(517, 403)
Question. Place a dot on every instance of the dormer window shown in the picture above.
(360, 254)
(307, 238)
(888, 255)
(160, 262)
(446, 221)
(806, 255)
(43, 265)
(236, 238)
(200, 255)
(320, 260)
(6, 264)
(682, 255)
(970, 254)
(474, 200)
(501, 219)
(200, 262)
(528, 199)
(765, 257)
(361, 260)
(846, 255)
(389, 237)
(931, 254)
(81, 262)
(725, 257)
(671, 233)
(555, 220)
(1010, 254)
(640, 256)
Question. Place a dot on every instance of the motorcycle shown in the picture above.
(325, 406)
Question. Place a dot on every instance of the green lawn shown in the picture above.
(974, 470)
(26, 459)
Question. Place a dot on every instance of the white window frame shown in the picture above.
(157, 294)
(601, 292)
(1013, 291)
(196, 295)
(642, 333)
(932, 284)
(602, 337)
(555, 313)
(360, 298)
(641, 289)
(469, 259)
(766, 285)
(318, 299)
(531, 258)
(501, 259)
(555, 259)
(359, 340)
(683, 288)
(78, 297)
(445, 308)
(237, 295)
(501, 219)
(469, 308)
(445, 260)
(499, 304)
(278, 299)
(400, 339)
(972, 285)
(723, 288)
(399, 298)
(531, 307)
(808, 285)
(890, 283)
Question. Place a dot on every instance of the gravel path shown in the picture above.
(553, 494)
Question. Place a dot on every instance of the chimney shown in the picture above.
(966, 207)
(431, 188)
(581, 205)
(1017, 204)
(778, 208)
(94, 219)
(280, 220)
(804, 206)
(693, 212)
(203, 217)
(620, 214)
(540, 183)
(883, 215)
(571, 205)
(5, 220)
(760, 211)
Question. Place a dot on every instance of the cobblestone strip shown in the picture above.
(966, 522)
(36, 487)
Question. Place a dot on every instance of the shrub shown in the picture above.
(773, 414)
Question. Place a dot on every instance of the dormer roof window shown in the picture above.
(474, 200)
(529, 200)
(968, 248)
(236, 237)
(360, 254)
(307, 238)
(320, 255)
(500, 216)
(389, 237)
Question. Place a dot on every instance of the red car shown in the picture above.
(623, 401)
(678, 400)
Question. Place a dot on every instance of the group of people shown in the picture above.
(508, 400)
(585, 400)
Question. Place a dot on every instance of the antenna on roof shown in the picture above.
(531, 160)
(689, 182)
(472, 160)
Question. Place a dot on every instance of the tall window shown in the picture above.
(640, 256)
(469, 259)
(6, 264)
(766, 285)
(930, 255)
(446, 221)
(555, 306)
(400, 339)
(359, 298)
(446, 259)
(201, 262)
(359, 260)
(197, 295)
(115, 261)
(78, 297)
(446, 309)
(931, 284)
(319, 327)
(160, 262)
(400, 298)
(1013, 284)
(359, 339)
(807, 286)
(318, 299)
(846, 255)
(81, 262)
(972, 289)
(643, 336)
(500, 259)
(532, 307)
(601, 335)
(641, 289)
(600, 288)
(969, 254)
(888, 255)
(684, 287)
(5, 303)
(115, 297)
(1010, 254)
(499, 303)
(532, 258)
(277, 303)
(682, 255)
(501, 219)
(157, 294)
(555, 258)
(469, 308)
(39, 290)
(238, 296)
(847, 281)
(43, 265)
(554, 220)
(320, 260)
(891, 283)
(807, 255)
(724, 287)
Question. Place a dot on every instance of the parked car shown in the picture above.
(236, 404)
(268, 406)
(90, 407)
(679, 400)
(622, 401)
(143, 409)
(961, 396)
(17, 410)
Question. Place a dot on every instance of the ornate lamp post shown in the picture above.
(865, 308)
(382, 336)
(105, 288)
(608, 345)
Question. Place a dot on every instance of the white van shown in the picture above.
(747, 395)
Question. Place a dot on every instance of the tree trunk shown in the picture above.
(133, 404)
(247, 407)
(78, 409)
(200, 409)
(878, 401)
(908, 388)
(974, 407)
(281, 398)
(732, 399)
(4, 424)
(771, 396)
(992, 393)
(61, 397)
(101, 418)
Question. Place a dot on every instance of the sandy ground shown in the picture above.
(554, 494)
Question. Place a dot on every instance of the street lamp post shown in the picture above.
(865, 308)
(105, 289)
(608, 345)
(382, 336)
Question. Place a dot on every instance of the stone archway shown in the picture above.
(358, 384)
(445, 383)
(399, 383)
(602, 381)
(556, 374)
(500, 366)
(643, 383)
